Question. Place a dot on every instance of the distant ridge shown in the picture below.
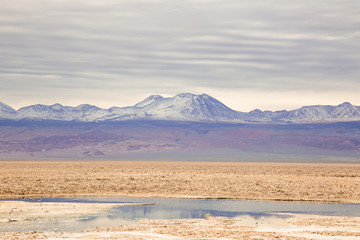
(182, 107)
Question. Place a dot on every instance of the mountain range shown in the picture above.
(182, 126)
(182, 107)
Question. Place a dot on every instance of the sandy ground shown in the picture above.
(258, 181)
(297, 227)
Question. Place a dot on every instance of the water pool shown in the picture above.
(171, 208)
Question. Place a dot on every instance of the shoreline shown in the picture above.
(70, 196)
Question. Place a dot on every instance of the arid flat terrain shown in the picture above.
(235, 180)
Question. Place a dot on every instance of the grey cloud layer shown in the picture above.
(144, 44)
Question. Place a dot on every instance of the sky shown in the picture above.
(270, 55)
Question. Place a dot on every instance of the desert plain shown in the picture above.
(232, 180)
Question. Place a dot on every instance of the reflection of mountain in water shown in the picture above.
(161, 212)
(177, 209)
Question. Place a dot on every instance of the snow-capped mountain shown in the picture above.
(187, 106)
(322, 113)
(53, 112)
(84, 112)
(4, 108)
(307, 114)
(6, 111)
(184, 107)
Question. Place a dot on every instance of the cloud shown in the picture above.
(118, 50)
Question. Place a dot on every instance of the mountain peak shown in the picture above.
(149, 100)
(85, 107)
(345, 104)
(256, 112)
(6, 108)
(154, 96)
(57, 106)
(191, 95)
(185, 95)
